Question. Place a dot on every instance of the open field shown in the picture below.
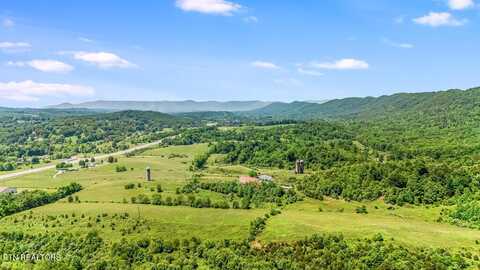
(408, 225)
(104, 186)
(102, 205)
(142, 221)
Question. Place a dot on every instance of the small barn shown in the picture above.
(247, 179)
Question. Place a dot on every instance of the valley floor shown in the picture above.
(105, 205)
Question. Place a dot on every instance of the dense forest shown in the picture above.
(446, 106)
(316, 252)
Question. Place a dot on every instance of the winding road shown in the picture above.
(76, 160)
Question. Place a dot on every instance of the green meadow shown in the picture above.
(408, 225)
(104, 205)
(115, 220)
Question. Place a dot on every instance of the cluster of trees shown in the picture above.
(466, 211)
(200, 161)
(7, 166)
(180, 200)
(321, 144)
(256, 193)
(400, 182)
(258, 225)
(83, 163)
(316, 252)
(64, 165)
(14, 203)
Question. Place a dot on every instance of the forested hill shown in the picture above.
(429, 104)
(59, 136)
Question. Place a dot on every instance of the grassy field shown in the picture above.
(101, 207)
(103, 193)
(141, 221)
(408, 225)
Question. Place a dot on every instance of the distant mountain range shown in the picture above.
(167, 106)
(440, 106)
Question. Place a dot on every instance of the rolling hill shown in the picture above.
(429, 104)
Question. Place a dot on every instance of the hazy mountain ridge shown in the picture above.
(167, 106)
(432, 105)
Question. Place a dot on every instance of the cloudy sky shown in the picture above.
(54, 51)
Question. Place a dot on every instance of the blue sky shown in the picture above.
(53, 51)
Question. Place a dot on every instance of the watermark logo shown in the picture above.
(32, 257)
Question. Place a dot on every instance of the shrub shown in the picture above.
(121, 168)
(130, 186)
(361, 210)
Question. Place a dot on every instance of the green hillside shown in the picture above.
(430, 105)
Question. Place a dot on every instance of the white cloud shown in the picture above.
(45, 65)
(309, 72)
(8, 23)
(219, 7)
(102, 59)
(86, 40)
(460, 4)
(250, 19)
(342, 64)
(32, 91)
(398, 44)
(264, 65)
(436, 19)
(11, 47)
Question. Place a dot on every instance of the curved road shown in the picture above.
(75, 160)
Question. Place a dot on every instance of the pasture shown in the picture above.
(105, 205)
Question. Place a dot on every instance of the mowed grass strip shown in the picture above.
(413, 226)
(142, 221)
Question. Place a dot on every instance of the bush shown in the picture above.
(120, 168)
(200, 161)
(130, 186)
(110, 159)
(361, 210)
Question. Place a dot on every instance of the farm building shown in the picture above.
(247, 179)
(4, 190)
(265, 178)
